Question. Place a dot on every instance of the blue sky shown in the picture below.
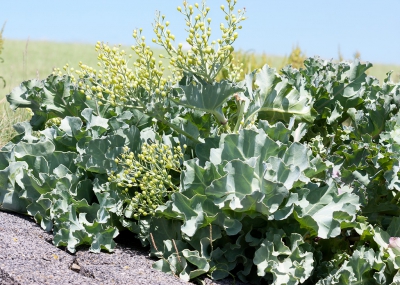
(319, 27)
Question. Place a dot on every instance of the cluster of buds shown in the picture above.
(53, 122)
(57, 71)
(118, 84)
(114, 83)
(206, 57)
(149, 70)
(146, 176)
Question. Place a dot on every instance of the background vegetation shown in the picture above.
(25, 60)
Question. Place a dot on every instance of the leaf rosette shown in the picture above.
(254, 175)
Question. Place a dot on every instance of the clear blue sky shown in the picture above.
(320, 27)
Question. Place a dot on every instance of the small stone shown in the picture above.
(75, 267)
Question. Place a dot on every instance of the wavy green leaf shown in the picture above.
(208, 98)
(98, 155)
(321, 209)
(363, 267)
(244, 189)
(9, 188)
(288, 264)
(278, 100)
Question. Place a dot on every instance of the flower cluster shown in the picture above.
(146, 176)
(118, 84)
(114, 83)
(206, 57)
(149, 70)
(53, 121)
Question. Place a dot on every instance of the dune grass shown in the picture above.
(24, 60)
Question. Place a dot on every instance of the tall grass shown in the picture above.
(1, 49)
(7, 119)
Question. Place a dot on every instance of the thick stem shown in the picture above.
(240, 114)
(176, 129)
(172, 126)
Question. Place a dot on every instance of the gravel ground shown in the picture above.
(27, 256)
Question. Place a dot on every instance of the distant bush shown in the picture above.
(244, 62)
(296, 58)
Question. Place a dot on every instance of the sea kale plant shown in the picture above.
(282, 178)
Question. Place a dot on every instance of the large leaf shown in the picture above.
(162, 229)
(196, 212)
(288, 264)
(245, 189)
(246, 144)
(98, 155)
(363, 267)
(277, 99)
(52, 97)
(34, 149)
(321, 210)
(207, 97)
(10, 190)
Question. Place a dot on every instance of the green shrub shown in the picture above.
(282, 178)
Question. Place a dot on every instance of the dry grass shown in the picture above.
(7, 119)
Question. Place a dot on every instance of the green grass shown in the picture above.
(25, 60)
